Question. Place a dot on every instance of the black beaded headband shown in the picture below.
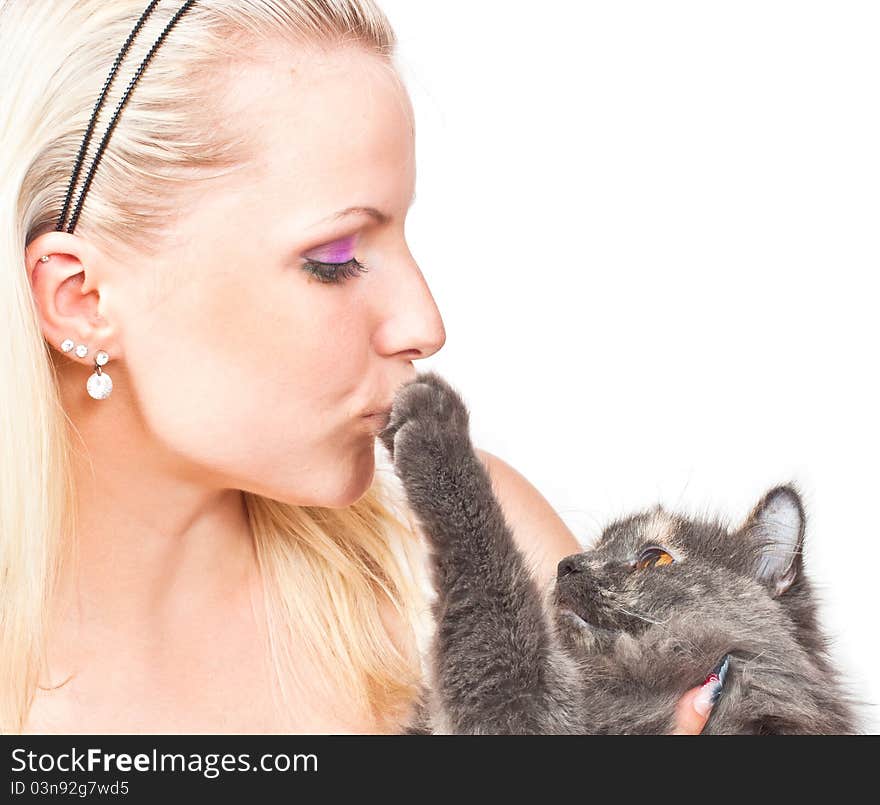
(100, 152)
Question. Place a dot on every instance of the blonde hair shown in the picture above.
(327, 573)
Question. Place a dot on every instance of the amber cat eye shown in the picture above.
(653, 557)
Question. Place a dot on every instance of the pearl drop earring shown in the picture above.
(99, 385)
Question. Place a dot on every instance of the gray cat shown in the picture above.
(628, 627)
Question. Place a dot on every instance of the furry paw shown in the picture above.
(429, 421)
(428, 438)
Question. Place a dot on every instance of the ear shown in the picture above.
(776, 530)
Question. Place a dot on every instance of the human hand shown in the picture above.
(693, 709)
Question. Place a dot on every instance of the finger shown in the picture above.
(688, 719)
(693, 709)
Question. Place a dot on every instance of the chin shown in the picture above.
(341, 481)
(575, 625)
(580, 635)
(352, 486)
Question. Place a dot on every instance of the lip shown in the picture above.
(568, 614)
(378, 420)
(386, 411)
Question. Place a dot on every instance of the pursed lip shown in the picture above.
(384, 409)
(378, 420)
(380, 412)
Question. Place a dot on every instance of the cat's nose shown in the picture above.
(570, 564)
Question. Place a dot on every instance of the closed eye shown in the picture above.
(335, 272)
(653, 557)
(335, 262)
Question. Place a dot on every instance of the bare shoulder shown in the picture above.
(539, 532)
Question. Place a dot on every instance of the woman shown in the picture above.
(208, 547)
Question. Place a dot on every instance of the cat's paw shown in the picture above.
(429, 421)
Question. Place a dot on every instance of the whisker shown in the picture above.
(642, 617)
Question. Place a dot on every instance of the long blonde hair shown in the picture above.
(327, 573)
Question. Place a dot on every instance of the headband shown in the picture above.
(103, 144)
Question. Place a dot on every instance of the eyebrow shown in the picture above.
(381, 217)
(378, 215)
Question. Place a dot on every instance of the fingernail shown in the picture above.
(711, 687)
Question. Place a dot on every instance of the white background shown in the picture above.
(652, 231)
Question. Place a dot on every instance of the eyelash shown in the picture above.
(338, 272)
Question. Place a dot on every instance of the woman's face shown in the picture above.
(243, 363)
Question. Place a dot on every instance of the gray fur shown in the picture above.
(508, 659)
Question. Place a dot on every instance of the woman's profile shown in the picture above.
(207, 314)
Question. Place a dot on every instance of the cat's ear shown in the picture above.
(775, 530)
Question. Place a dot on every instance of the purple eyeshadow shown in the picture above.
(340, 251)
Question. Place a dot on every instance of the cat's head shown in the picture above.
(661, 598)
(660, 569)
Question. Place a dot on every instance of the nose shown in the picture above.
(411, 322)
(570, 564)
